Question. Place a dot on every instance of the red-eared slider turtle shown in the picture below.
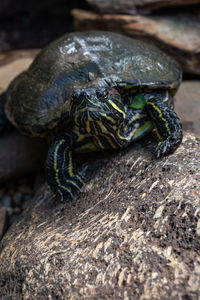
(94, 90)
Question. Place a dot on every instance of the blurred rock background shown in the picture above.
(26, 26)
(32, 24)
(172, 25)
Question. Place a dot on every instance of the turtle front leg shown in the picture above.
(59, 167)
(166, 121)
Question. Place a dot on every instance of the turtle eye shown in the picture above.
(102, 95)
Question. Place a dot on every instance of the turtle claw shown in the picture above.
(162, 148)
(80, 176)
(166, 121)
(75, 181)
(62, 192)
(67, 184)
(168, 145)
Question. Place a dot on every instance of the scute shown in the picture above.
(40, 98)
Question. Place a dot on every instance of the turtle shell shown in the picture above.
(39, 98)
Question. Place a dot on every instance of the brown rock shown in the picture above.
(133, 233)
(187, 105)
(12, 63)
(19, 155)
(134, 6)
(176, 35)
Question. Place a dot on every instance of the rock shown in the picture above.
(17, 198)
(12, 63)
(176, 35)
(187, 105)
(16, 210)
(20, 155)
(132, 233)
(6, 201)
(135, 6)
(25, 189)
(3, 45)
(3, 220)
(25, 154)
(13, 200)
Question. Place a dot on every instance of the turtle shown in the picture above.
(90, 91)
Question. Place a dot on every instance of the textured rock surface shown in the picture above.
(177, 35)
(132, 233)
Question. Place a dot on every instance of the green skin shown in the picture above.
(90, 91)
(107, 124)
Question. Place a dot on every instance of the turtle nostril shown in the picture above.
(77, 94)
(74, 96)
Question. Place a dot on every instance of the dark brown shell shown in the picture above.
(40, 97)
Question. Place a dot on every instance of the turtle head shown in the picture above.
(103, 106)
